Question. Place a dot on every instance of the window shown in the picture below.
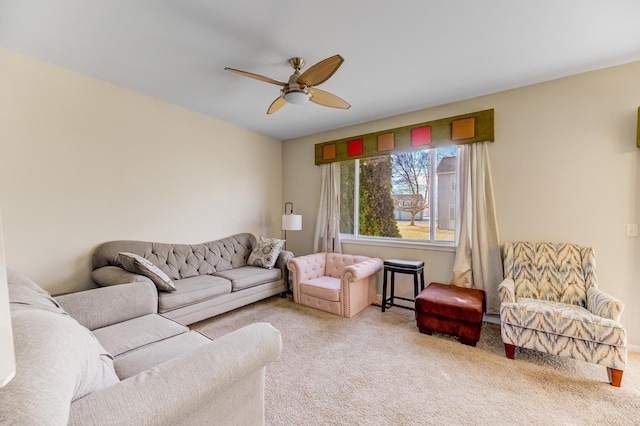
(398, 196)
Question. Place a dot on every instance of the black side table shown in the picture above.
(413, 267)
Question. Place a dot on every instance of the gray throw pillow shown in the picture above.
(265, 253)
(139, 265)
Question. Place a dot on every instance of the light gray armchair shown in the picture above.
(550, 302)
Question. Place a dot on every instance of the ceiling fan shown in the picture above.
(300, 88)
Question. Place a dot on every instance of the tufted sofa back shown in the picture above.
(557, 272)
(181, 260)
(336, 262)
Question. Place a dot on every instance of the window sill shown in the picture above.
(415, 245)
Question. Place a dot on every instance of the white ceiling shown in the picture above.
(400, 55)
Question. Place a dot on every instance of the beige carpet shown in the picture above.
(377, 369)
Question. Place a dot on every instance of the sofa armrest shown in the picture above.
(601, 304)
(283, 260)
(506, 290)
(361, 270)
(220, 382)
(104, 306)
(114, 275)
(305, 268)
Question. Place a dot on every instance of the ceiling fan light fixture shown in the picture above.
(300, 87)
(296, 96)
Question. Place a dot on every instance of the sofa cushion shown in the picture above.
(193, 290)
(325, 288)
(103, 306)
(265, 253)
(139, 265)
(135, 361)
(125, 336)
(249, 276)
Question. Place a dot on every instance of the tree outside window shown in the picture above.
(410, 180)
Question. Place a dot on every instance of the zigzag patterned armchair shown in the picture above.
(550, 302)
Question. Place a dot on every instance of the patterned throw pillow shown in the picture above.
(139, 265)
(265, 253)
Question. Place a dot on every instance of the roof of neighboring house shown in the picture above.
(447, 165)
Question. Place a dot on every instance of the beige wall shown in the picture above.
(565, 168)
(83, 161)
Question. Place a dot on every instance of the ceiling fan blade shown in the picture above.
(327, 99)
(320, 72)
(276, 105)
(256, 76)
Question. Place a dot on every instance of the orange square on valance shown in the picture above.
(463, 129)
(329, 152)
(386, 142)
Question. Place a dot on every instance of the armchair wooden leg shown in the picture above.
(510, 350)
(615, 376)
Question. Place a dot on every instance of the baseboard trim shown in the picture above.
(491, 318)
(378, 300)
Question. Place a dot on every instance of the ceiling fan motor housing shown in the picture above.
(293, 92)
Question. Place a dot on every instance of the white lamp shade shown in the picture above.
(7, 354)
(291, 222)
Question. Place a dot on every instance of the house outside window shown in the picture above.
(398, 196)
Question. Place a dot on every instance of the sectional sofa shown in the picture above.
(105, 357)
(208, 279)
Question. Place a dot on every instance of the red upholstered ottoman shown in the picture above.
(451, 310)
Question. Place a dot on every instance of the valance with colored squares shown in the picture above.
(461, 129)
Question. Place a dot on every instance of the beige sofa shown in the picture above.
(210, 278)
(105, 357)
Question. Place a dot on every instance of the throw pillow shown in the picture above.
(266, 252)
(139, 265)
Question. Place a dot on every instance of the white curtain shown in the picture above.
(478, 262)
(327, 233)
